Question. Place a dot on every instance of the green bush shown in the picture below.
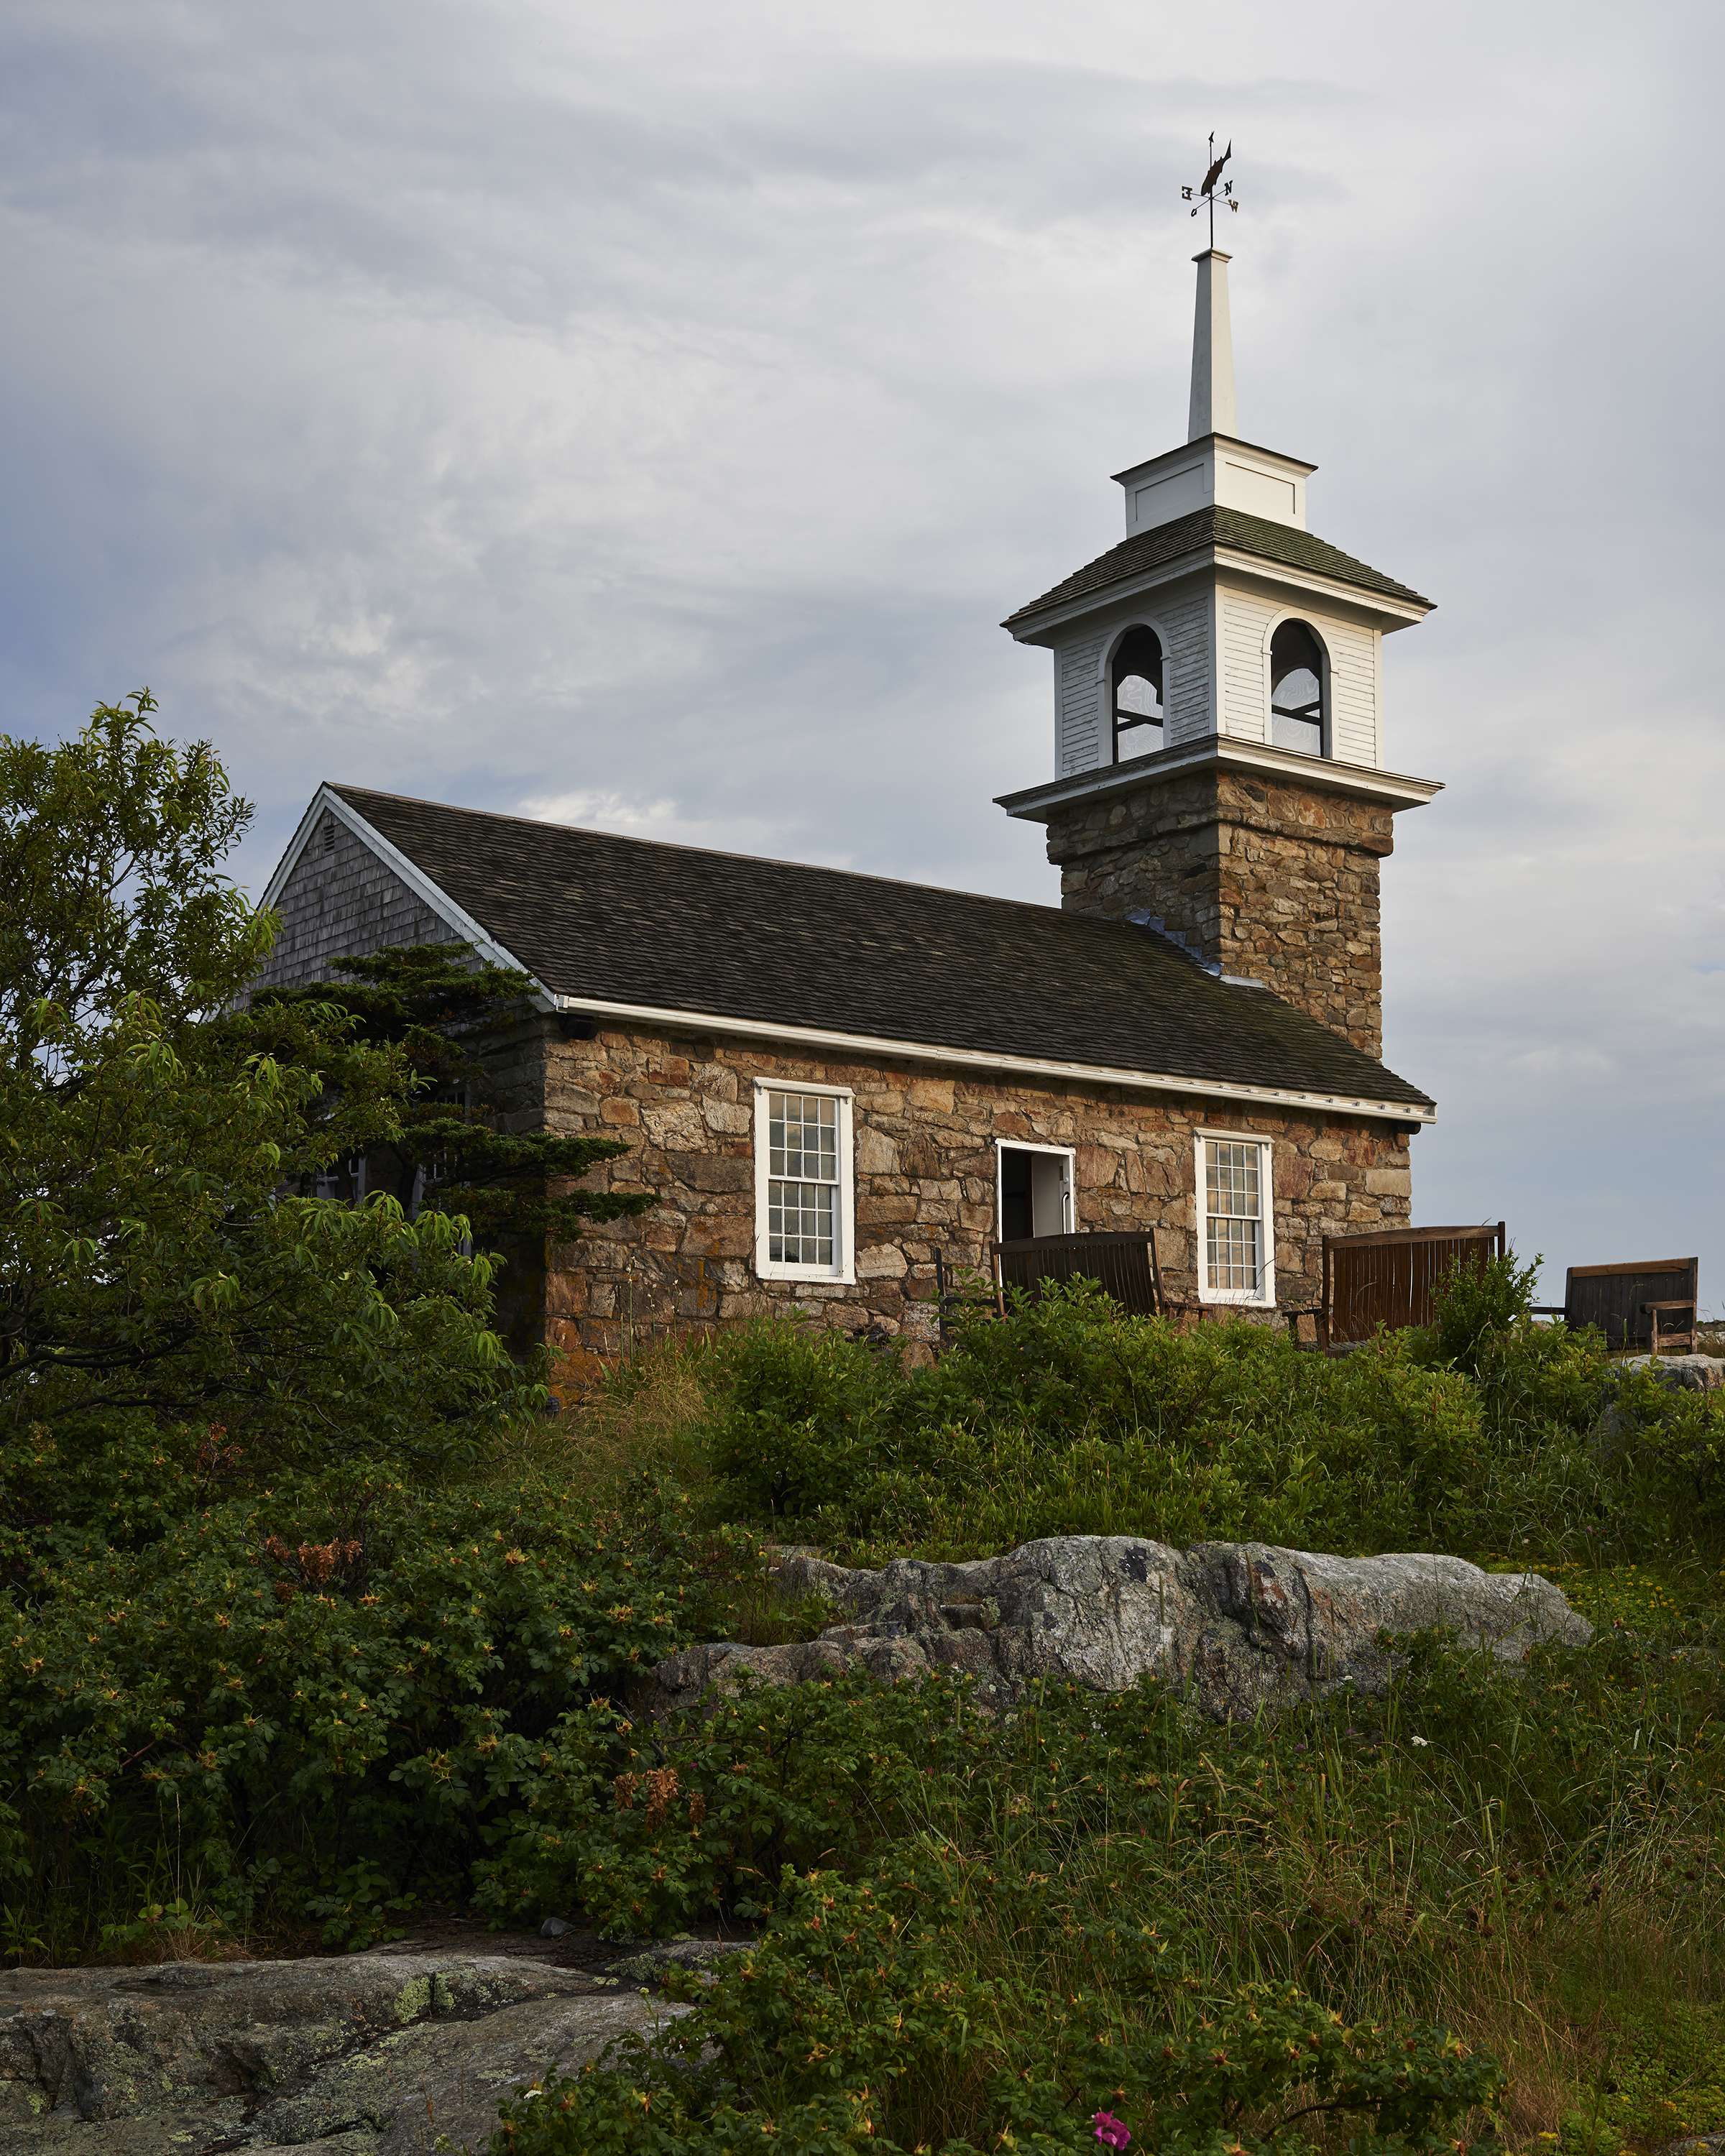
(302, 1702)
(1478, 1303)
(1068, 1419)
(1005, 1926)
(844, 2028)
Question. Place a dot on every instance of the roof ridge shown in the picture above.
(715, 853)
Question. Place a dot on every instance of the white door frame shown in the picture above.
(1069, 1207)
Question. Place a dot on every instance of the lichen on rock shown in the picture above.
(1238, 1626)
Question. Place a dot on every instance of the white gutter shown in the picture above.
(976, 1059)
(326, 800)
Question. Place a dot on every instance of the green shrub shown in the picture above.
(654, 1827)
(1071, 1419)
(1005, 1926)
(1477, 1303)
(303, 1703)
(1068, 1418)
(861, 2011)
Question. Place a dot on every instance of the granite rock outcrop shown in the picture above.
(1239, 1627)
(380, 2054)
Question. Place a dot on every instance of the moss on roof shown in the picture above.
(638, 921)
(1217, 527)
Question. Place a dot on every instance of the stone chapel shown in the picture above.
(1201, 1057)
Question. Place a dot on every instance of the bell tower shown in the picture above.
(1220, 774)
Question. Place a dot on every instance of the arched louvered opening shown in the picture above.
(1135, 678)
(1297, 690)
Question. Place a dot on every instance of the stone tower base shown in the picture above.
(1272, 879)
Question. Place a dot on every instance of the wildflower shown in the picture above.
(1110, 2130)
(1419, 1740)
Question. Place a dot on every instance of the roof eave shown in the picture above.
(1033, 624)
(1422, 1111)
(1390, 789)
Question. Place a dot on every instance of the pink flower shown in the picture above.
(1110, 2130)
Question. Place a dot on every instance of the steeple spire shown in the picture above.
(1212, 351)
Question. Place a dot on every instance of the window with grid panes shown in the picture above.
(1233, 1216)
(802, 1178)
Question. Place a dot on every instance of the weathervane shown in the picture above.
(1207, 191)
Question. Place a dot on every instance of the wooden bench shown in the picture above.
(1126, 1265)
(1628, 1301)
(1386, 1278)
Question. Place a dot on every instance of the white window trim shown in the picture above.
(1327, 729)
(1105, 691)
(1066, 1153)
(1265, 1299)
(843, 1273)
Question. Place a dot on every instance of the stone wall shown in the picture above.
(1274, 880)
(925, 1164)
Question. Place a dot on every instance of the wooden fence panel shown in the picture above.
(1611, 1296)
(1387, 1278)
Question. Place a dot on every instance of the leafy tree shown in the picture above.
(158, 1288)
(111, 885)
(445, 1012)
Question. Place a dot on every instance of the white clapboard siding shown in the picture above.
(1353, 691)
(1084, 733)
(1186, 696)
(1081, 733)
(1245, 679)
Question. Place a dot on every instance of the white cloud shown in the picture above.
(665, 821)
(650, 417)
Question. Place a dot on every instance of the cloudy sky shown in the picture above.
(642, 417)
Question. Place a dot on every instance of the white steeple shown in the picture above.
(1213, 469)
(1212, 351)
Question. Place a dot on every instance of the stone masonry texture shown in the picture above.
(925, 1160)
(1274, 880)
(1211, 862)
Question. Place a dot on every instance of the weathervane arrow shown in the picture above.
(1207, 190)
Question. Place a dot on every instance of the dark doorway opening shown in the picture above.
(1015, 1199)
(1035, 1193)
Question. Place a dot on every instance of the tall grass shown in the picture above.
(1531, 1859)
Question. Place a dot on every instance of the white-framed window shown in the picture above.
(1134, 675)
(805, 1184)
(1033, 1190)
(1236, 1220)
(1299, 689)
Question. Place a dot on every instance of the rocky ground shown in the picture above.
(1238, 1627)
(404, 2050)
(411, 2048)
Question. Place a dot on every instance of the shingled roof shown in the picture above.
(636, 921)
(1217, 527)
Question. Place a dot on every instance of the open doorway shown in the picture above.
(1035, 1188)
